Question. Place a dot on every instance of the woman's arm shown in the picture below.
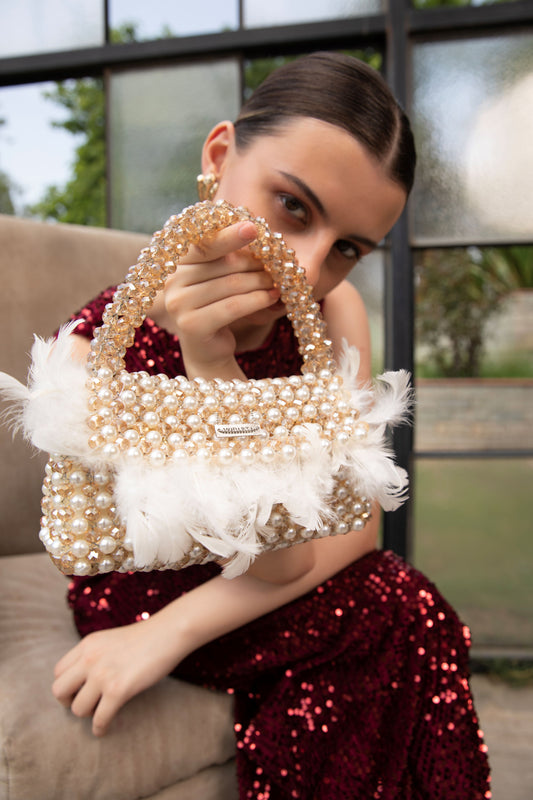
(109, 667)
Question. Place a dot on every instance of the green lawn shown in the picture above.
(474, 539)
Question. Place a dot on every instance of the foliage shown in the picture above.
(515, 263)
(6, 187)
(258, 69)
(6, 203)
(454, 301)
(83, 199)
(457, 293)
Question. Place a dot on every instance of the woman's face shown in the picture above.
(316, 185)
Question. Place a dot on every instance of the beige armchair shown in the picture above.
(173, 742)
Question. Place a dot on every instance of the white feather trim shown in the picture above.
(222, 508)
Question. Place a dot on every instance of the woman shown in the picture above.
(349, 670)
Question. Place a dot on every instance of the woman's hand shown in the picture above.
(216, 284)
(107, 668)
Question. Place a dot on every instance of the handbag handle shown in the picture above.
(133, 298)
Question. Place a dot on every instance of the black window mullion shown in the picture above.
(399, 306)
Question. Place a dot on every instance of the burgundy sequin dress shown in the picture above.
(357, 690)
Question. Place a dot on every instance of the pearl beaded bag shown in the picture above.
(152, 472)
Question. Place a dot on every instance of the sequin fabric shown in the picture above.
(358, 689)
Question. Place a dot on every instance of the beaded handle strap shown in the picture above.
(133, 298)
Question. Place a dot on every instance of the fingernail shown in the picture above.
(247, 231)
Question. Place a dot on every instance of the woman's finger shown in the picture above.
(66, 686)
(180, 300)
(206, 321)
(226, 241)
(86, 700)
(105, 711)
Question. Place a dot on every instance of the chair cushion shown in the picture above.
(172, 733)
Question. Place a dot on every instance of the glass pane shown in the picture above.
(472, 103)
(473, 538)
(159, 18)
(368, 278)
(159, 119)
(38, 26)
(27, 130)
(257, 69)
(474, 349)
(257, 13)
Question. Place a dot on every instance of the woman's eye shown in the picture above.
(294, 207)
(348, 250)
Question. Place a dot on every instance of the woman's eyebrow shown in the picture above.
(320, 208)
(307, 191)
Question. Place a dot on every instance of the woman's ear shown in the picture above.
(217, 146)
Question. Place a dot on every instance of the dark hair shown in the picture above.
(343, 91)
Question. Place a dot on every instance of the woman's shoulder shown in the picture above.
(344, 294)
(347, 320)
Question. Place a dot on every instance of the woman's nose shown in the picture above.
(311, 256)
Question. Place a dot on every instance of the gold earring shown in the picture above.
(207, 186)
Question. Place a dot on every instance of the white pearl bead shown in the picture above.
(288, 452)
(230, 400)
(151, 418)
(133, 453)
(157, 458)
(180, 454)
(104, 374)
(247, 456)
(132, 436)
(78, 502)
(107, 544)
(80, 548)
(302, 393)
(267, 455)
(104, 524)
(109, 432)
(287, 394)
(342, 528)
(79, 526)
(309, 411)
(175, 440)
(58, 478)
(281, 432)
(81, 567)
(100, 477)
(170, 402)
(273, 414)
(54, 547)
(148, 400)
(127, 397)
(153, 438)
(105, 396)
(77, 477)
(103, 500)
(225, 455)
